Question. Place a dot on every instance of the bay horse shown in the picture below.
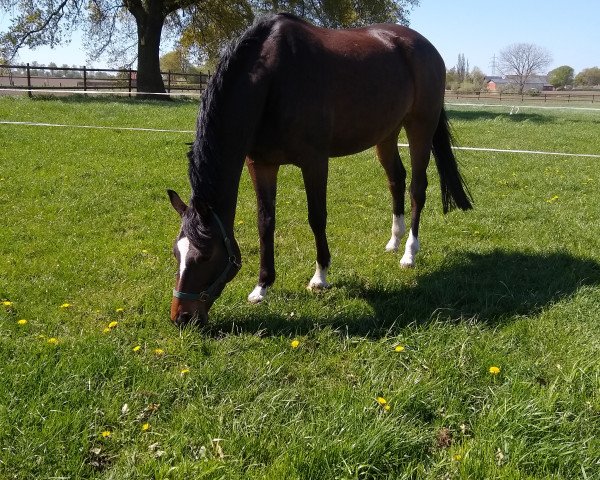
(288, 92)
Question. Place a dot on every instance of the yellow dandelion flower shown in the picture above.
(106, 330)
(144, 251)
(22, 322)
(387, 407)
(66, 305)
(120, 310)
(6, 303)
(294, 343)
(457, 457)
(53, 341)
(494, 370)
(145, 427)
(112, 325)
(399, 348)
(137, 348)
(184, 371)
(106, 433)
(159, 351)
(381, 401)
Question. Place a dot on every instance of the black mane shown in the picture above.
(204, 156)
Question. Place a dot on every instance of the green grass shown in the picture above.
(515, 283)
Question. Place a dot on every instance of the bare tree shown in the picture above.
(523, 60)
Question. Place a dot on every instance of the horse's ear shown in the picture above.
(177, 202)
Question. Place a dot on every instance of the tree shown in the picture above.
(462, 68)
(588, 77)
(522, 60)
(175, 61)
(561, 77)
(112, 24)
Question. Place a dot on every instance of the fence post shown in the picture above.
(28, 81)
(84, 79)
(129, 81)
(169, 81)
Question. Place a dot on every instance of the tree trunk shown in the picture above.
(149, 79)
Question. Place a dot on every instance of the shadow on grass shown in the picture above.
(490, 288)
(163, 101)
(477, 115)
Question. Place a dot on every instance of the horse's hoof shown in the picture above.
(392, 246)
(318, 286)
(407, 262)
(257, 295)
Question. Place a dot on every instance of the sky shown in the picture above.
(570, 30)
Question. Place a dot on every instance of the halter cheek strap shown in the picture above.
(210, 292)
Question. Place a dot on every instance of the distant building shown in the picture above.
(538, 83)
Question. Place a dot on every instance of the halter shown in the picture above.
(209, 293)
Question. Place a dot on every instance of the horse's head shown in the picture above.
(207, 258)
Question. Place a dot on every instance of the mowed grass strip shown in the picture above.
(389, 376)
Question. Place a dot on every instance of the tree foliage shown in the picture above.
(523, 60)
(133, 29)
(561, 76)
(588, 77)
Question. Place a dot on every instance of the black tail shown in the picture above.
(454, 189)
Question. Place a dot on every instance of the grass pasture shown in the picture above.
(85, 240)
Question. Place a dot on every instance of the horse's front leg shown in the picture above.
(264, 178)
(315, 184)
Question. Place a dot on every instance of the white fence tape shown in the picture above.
(165, 130)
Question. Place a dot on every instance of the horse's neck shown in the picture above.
(240, 113)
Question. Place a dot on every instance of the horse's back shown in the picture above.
(342, 91)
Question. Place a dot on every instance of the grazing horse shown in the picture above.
(288, 92)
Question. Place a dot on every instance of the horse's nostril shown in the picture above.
(184, 318)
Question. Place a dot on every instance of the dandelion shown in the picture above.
(112, 325)
(294, 343)
(381, 401)
(120, 310)
(106, 433)
(159, 351)
(22, 322)
(399, 348)
(106, 330)
(184, 371)
(53, 341)
(6, 303)
(457, 457)
(494, 370)
(66, 305)
(387, 407)
(137, 348)
(144, 251)
(145, 427)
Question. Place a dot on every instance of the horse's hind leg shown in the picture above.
(264, 178)
(315, 184)
(420, 134)
(389, 158)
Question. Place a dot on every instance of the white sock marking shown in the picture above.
(319, 279)
(258, 294)
(398, 230)
(412, 247)
(183, 244)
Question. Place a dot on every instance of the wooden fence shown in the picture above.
(572, 96)
(60, 80)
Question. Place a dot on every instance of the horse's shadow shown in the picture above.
(491, 288)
